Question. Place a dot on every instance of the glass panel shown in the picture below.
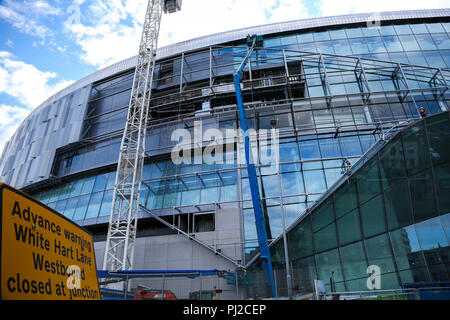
(426, 42)
(403, 29)
(70, 207)
(60, 206)
(379, 253)
(111, 180)
(445, 220)
(419, 28)
(304, 120)
(94, 205)
(359, 46)
(435, 27)
(354, 261)
(446, 56)
(372, 216)
(326, 238)
(387, 30)
(392, 43)
(304, 273)
(289, 39)
(416, 58)
(325, 47)
(434, 59)
(249, 224)
(330, 148)
(345, 199)
(309, 150)
(81, 208)
(375, 44)
(435, 246)
(276, 227)
(415, 146)
(398, 205)
(349, 228)
(100, 182)
(370, 32)
(354, 32)
(305, 37)
(367, 141)
(292, 183)
(407, 249)
(323, 216)
(409, 43)
(392, 163)
(289, 152)
(271, 187)
(338, 34)
(350, 146)
(441, 40)
(438, 128)
(272, 42)
(442, 174)
(293, 211)
(431, 234)
(323, 118)
(368, 181)
(341, 47)
(228, 191)
(88, 185)
(320, 36)
(422, 196)
(400, 57)
(314, 181)
(327, 262)
(210, 195)
(105, 209)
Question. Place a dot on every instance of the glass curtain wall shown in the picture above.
(393, 212)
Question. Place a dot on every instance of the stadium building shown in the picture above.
(363, 178)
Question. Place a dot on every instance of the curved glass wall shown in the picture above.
(393, 212)
(330, 100)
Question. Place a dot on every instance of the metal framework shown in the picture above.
(312, 67)
(123, 220)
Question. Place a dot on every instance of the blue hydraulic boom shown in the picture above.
(252, 42)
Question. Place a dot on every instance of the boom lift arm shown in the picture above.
(256, 199)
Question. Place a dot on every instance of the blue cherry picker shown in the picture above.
(253, 42)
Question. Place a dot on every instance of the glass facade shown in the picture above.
(333, 94)
(390, 212)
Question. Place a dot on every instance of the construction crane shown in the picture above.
(123, 219)
(252, 42)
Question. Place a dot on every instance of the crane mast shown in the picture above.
(121, 237)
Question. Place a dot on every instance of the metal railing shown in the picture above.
(394, 294)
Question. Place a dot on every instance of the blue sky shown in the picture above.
(46, 45)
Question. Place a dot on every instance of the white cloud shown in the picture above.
(333, 7)
(10, 119)
(9, 43)
(28, 85)
(24, 16)
(115, 31)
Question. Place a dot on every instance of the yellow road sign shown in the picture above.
(44, 255)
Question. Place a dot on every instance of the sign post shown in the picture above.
(43, 255)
